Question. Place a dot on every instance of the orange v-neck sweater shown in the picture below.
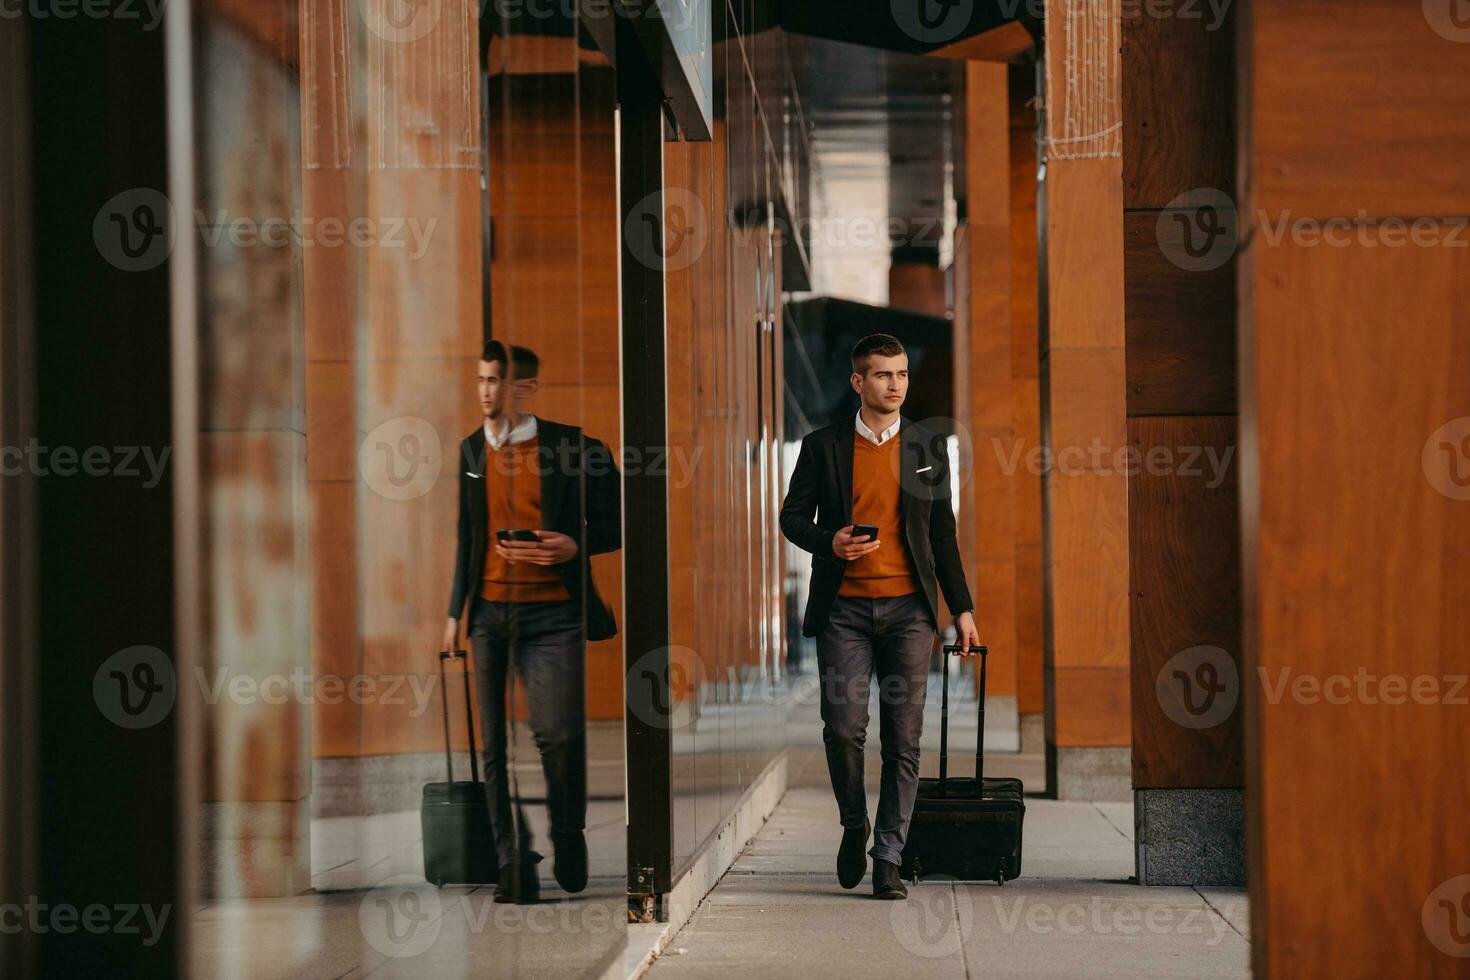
(887, 572)
(513, 500)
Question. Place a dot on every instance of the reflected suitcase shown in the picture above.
(965, 828)
(458, 846)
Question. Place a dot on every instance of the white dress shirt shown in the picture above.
(523, 431)
(879, 438)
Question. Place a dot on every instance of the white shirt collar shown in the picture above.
(880, 438)
(524, 431)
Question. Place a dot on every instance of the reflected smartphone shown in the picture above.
(516, 534)
(864, 532)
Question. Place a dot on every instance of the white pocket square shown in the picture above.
(475, 475)
(926, 469)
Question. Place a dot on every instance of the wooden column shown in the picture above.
(991, 495)
(331, 187)
(1026, 411)
(255, 815)
(1084, 410)
(917, 286)
(390, 137)
(1184, 526)
(1354, 287)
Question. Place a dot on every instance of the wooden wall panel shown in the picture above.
(1181, 322)
(1087, 707)
(330, 186)
(1084, 276)
(963, 396)
(1355, 537)
(1179, 169)
(1026, 387)
(1085, 557)
(992, 403)
(1178, 101)
(1184, 548)
(1387, 94)
(1355, 558)
(917, 287)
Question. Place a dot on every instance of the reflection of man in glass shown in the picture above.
(549, 496)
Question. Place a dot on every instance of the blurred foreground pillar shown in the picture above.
(1354, 283)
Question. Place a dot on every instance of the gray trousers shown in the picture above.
(892, 638)
(544, 641)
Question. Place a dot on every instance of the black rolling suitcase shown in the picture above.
(965, 828)
(458, 846)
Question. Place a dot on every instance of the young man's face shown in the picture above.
(496, 392)
(885, 385)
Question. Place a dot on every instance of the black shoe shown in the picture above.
(518, 884)
(886, 881)
(569, 861)
(852, 856)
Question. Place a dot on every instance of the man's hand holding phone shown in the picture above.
(536, 547)
(850, 545)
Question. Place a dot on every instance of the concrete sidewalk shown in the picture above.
(779, 911)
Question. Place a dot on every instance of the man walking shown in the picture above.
(550, 497)
(873, 603)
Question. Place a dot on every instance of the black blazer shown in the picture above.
(819, 504)
(581, 496)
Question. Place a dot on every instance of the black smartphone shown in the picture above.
(516, 534)
(864, 532)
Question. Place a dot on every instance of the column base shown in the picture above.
(362, 785)
(255, 848)
(1033, 733)
(1002, 724)
(1088, 773)
(1190, 836)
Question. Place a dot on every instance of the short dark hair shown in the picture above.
(884, 344)
(528, 365)
(495, 353)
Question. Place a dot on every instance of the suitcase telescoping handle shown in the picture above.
(958, 650)
(469, 713)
